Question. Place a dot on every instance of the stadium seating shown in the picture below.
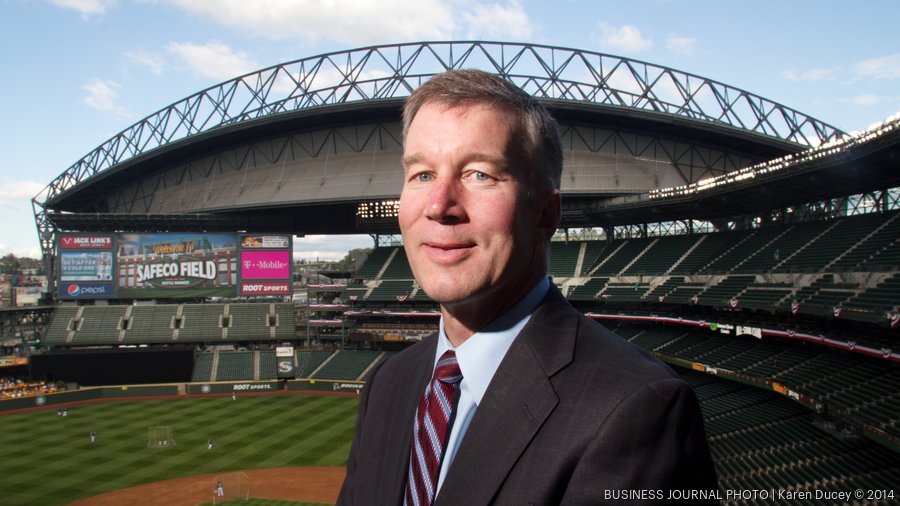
(60, 325)
(624, 254)
(707, 249)
(151, 324)
(827, 247)
(389, 291)
(854, 385)
(765, 295)
(308, 361)
(661, 255)
(742, 249)
(766, 268)
(203, 363)
(249, 321)
(762, 441)
(886, 233)
(167, 323)
(883, 297)
(375, 263)
(589, 290)
(398, 267)
(100, 325)
(725, 290)
(564, 258)
(201, 322)
(234, 366)
(267, 368)
(346, 365)
(624, 292)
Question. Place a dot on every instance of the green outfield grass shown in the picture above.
(47, 459)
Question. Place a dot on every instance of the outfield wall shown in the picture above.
(61, 399)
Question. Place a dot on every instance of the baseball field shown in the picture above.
(49, 459)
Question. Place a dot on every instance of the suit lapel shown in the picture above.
(518, 400)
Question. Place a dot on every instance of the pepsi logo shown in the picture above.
(73, 290)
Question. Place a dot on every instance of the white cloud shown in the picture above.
(18, 194)
(865, 99)
(328, 247)
(884, 67)
(153, 61)
(818, 74)
(869, 99)
(880, 68)
(87, 8)
(681, 44)
(498, 22)
(625, 38)
(214, 59)
(344, 21)
(102, 95)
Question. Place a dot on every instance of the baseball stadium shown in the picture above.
(184, 358)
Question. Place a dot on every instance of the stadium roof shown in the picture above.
(579, 86)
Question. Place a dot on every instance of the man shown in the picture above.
(552, 408)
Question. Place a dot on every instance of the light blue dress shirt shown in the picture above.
(478, 357)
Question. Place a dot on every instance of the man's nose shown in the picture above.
(444, 202)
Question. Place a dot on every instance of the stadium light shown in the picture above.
(827, 149)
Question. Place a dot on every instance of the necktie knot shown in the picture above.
(447, 370)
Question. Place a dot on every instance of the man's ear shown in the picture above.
(547, 209)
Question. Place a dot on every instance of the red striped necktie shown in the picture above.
(432, 426)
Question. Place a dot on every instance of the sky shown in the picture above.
(76, 72)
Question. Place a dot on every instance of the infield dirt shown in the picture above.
(302, 484)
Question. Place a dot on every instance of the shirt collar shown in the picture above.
(480, 355)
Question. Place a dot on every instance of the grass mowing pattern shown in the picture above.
(49, 460)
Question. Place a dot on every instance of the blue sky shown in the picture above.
(76, 72)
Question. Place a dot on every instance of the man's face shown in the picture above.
(469, 233)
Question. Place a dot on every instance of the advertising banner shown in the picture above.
(85, 242)
(265, 288)
(265, 265)
(265, 242)
(85, 266)
(172, 265)
(285, 367)
(176, 265)
(13, 361)
(82, 290)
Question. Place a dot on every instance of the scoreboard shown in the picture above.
(172, 265)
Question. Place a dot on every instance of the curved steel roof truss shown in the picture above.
(393, 71)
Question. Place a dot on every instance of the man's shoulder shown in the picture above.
(599, 355)
(599, 345)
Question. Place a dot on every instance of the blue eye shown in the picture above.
(424, 177)
(481, 176)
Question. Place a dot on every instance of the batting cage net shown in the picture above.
(160, 437)
(231, 487)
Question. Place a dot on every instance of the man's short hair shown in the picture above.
(535, 143)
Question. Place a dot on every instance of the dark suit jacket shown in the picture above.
(573, 415)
